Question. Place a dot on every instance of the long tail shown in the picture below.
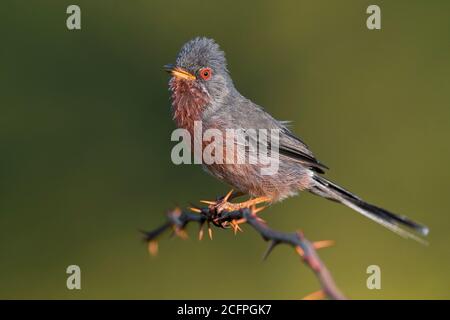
(392, 221)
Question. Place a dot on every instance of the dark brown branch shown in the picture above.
(178, 220)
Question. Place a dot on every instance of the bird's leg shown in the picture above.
(228, 206)
(223, 203)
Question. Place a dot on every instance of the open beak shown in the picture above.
(179, 72)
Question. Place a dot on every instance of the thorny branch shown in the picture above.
(177, 220)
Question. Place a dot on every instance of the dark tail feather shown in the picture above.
(392, 221)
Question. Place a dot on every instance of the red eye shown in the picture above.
(205, 73)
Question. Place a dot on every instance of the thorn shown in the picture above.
(260, 219)
(181, 233)
(241, 221)
(299, 251)
(257, 210)
(272, 245)
(318, 295)
(208, 202)
(210, 231)
(235, 227)
(228, 195)
(200, 230)
(176, 212)
(153, 247)
(193, 209)
(323, 244)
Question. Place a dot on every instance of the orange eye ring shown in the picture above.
(205, 73)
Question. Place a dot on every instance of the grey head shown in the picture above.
(202, 65)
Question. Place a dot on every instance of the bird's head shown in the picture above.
(200, 73)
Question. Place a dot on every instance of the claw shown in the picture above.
(193, 209)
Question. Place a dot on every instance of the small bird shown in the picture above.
(202, 90)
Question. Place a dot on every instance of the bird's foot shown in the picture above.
(217, 208)
(224, 204)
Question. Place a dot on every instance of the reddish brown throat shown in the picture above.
(188, 97)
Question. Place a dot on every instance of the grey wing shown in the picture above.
(294, 148)
(248, 115)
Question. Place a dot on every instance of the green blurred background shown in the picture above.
(85, 145)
